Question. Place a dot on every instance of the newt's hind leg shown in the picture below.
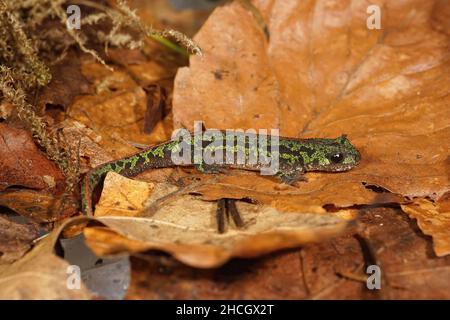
(226, 208)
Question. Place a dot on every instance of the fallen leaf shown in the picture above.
(156, 103)
(185, 226)
(320, 192)
(409, 270)
(87, 142)
(116, 116)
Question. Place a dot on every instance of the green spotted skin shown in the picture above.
(296, 156)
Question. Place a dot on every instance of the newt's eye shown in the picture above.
(336, 157)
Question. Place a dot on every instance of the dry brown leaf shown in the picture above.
(185, 226)
(325, 270)
(40, 274)
(434, 220)
(203, 247)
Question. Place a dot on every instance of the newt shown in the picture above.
(294, 157)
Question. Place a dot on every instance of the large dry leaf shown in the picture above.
(87, 141)
(40, 274)
(185, 226)
(321, 73)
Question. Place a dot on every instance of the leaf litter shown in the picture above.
(320, 66)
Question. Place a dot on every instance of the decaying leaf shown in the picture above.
(434, 220)
(185, 226)
(114, 115)
(40, 274)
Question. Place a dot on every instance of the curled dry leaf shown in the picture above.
(185, 226)
(317, 70)
(40, 274)
(434, 220)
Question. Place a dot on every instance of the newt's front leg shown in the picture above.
(291, 175)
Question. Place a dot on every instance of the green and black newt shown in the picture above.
(294, 157)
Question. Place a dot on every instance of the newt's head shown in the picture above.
(333, 155)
